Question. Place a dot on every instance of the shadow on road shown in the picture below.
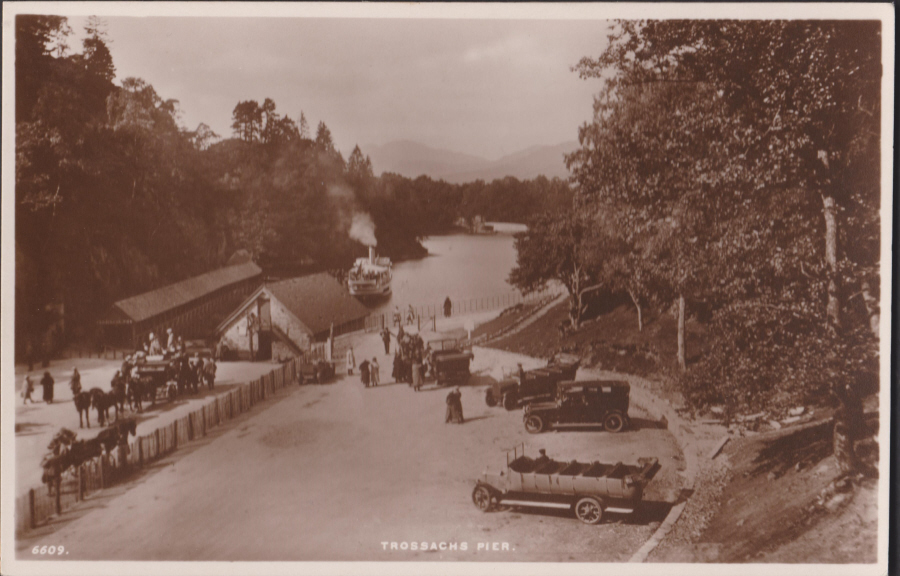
(645, 423)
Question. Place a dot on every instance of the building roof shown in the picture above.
(318, 300)
(150, 304)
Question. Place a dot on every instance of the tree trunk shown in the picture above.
(833, 306)
(681, 362)
(638, 306)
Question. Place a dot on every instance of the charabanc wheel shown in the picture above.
(589, 510)
(482, 497)
(489, 399)
(614, 422)
(534, 424)
(510, 402)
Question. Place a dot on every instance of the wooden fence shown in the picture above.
(423, 314)
(36, 507)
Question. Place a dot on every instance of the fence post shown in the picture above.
(80, 482)
(175, 434)
(102, 475)
(58, 494)
(158, 445)
(140, 451)
(31, 519)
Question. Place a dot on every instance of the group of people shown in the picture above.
(153, 346)
(369, 371)
(454, 407)
(47, 383)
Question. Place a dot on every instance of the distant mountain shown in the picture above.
(530, 163)
(413, 159)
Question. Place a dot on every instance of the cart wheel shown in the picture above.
(510, 401)
(489, 399)
(534, 424)
(482, 496)
(589, 510)
(614, 422)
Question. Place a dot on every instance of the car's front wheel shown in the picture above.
(534, 424)
(589, 510)
(489, 399)
(510, 402)
(481, 497)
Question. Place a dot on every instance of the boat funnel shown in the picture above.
(372, 254)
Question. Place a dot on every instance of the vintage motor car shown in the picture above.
(517, 389)
(589, 489)
(449, 362)
(316, 371)
(591, 402)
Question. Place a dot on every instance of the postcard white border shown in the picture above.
(561, 11)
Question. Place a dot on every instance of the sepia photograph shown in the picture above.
(386, 288)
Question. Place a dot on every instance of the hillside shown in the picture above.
(412, 159)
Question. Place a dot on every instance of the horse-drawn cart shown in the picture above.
(158, 377)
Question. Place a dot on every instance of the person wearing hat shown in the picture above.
(47, 382)
(542, 459)
(170, 344)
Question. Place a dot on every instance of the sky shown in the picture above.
(487, 87)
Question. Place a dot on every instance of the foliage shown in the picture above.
(115, 197)
(733, 154)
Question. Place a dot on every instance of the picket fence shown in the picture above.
(37, 506)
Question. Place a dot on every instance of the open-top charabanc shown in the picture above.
(519, 388)
(589, 489)
(449, 362)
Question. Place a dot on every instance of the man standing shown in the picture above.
(47, 382)
(448, 307)
(386, 338)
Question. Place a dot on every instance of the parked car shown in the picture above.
(603, 402)
(589, 489)
(316, 371)
(532, 385)
(449, 362)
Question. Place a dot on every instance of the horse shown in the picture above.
(134, 394)
(118, 392)
(83, 404)
(102, 401)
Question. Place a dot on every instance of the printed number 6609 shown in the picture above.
(48, 550)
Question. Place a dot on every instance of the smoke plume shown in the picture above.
(363, 229)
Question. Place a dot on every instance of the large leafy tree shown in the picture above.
(785, 186)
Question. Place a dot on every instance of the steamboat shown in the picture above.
(370, 277)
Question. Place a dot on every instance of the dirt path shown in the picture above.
(332, 472)
(37, 423)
